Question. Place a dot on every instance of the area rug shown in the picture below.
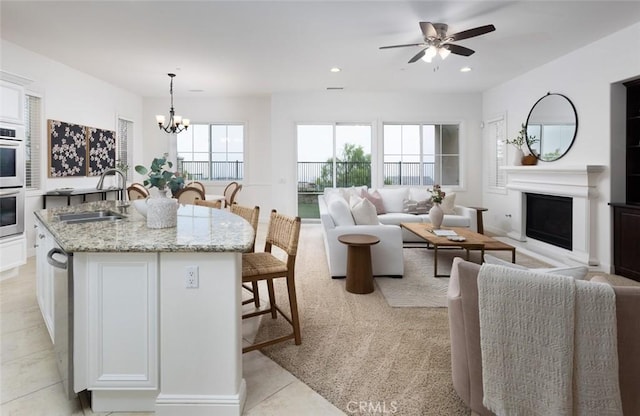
(361, 354)
(357, 350)
(419, 288)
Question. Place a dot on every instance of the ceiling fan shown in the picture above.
(436, 41)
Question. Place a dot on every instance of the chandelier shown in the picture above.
(176, 123)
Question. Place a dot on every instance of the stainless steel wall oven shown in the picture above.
(12, 171)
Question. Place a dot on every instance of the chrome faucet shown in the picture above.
(121, 193)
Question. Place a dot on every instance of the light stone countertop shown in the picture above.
(199, 229)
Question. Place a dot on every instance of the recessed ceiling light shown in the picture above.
(335, 69)
(465, 69)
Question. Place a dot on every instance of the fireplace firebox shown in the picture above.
(549, 219)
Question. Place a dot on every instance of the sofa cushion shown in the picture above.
(339, 210)
(448, 203)
(363, 211)
(420, 194)
(577, 272)
(392, 198)
(375, 198)
(396, 218)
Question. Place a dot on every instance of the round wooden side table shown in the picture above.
(359, 271)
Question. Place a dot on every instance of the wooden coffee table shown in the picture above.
(359, 271)
(473, 241)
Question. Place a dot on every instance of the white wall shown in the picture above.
(71, 96)
(586, 77)
(375, 108)
(255, 112)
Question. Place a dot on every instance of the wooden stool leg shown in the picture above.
(272, 299)
(293, 304)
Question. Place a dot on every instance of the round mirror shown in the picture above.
(552, 126)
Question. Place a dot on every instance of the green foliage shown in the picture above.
(522, 138)
(160, 175)
(353, 168)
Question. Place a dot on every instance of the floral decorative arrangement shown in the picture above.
(522, 138)
(161, 176)
(437, 194)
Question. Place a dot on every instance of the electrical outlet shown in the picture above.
(191, 280)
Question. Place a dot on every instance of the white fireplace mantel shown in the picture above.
(576, 182)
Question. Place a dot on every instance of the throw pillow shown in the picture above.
(339, 210)
(392, 198)
(419, 194)
(411, 206)
(576, 272)
(375, 198)
(363, 211)
(448, 203)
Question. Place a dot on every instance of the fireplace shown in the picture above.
(549, 219)
(578, 229)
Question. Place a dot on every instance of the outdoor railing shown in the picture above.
(313, 177)
(212, 171)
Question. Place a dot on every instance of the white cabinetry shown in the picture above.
(116, 321)
(44, 276)
(11, 102)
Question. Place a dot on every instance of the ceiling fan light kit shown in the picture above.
(437, 42)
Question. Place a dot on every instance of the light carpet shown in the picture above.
(362, 355)
(419, 288)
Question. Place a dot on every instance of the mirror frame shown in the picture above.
(575, 132)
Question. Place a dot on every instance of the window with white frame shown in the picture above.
(33, 139)
(421, 154)
(497, 153)
(124, 138)
(213, 151)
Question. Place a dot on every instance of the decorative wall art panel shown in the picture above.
(102, 150)
(67, 149)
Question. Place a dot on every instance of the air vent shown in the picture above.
(334, 88)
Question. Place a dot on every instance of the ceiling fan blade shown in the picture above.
(418, 56)
(476, 31)
(428, 30)
(459, 50)
(402, 46)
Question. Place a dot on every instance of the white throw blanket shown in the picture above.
(531, 362)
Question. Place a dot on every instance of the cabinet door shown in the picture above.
(627, 242)
(44, 277)
(12, 102)
(122, 317)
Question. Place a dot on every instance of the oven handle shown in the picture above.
(7, 193)
(10, 141)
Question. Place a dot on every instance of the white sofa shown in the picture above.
(386, 256)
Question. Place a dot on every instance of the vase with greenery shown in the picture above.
(162, 212)
(160, 175)
(436, 214)
(522, 139)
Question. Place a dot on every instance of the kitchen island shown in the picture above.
(156, 322)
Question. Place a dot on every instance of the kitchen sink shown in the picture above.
(91, 216)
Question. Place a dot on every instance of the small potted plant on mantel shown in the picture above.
(518, 142)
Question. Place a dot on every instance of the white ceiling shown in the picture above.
(262, 47)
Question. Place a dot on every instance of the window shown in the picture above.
(331, 155)
(421, 154)
(123, 138)
(212, 151)
(497, 157)
(33, 138)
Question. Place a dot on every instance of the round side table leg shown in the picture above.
(359, 271)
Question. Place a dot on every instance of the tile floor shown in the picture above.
(30, 384)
